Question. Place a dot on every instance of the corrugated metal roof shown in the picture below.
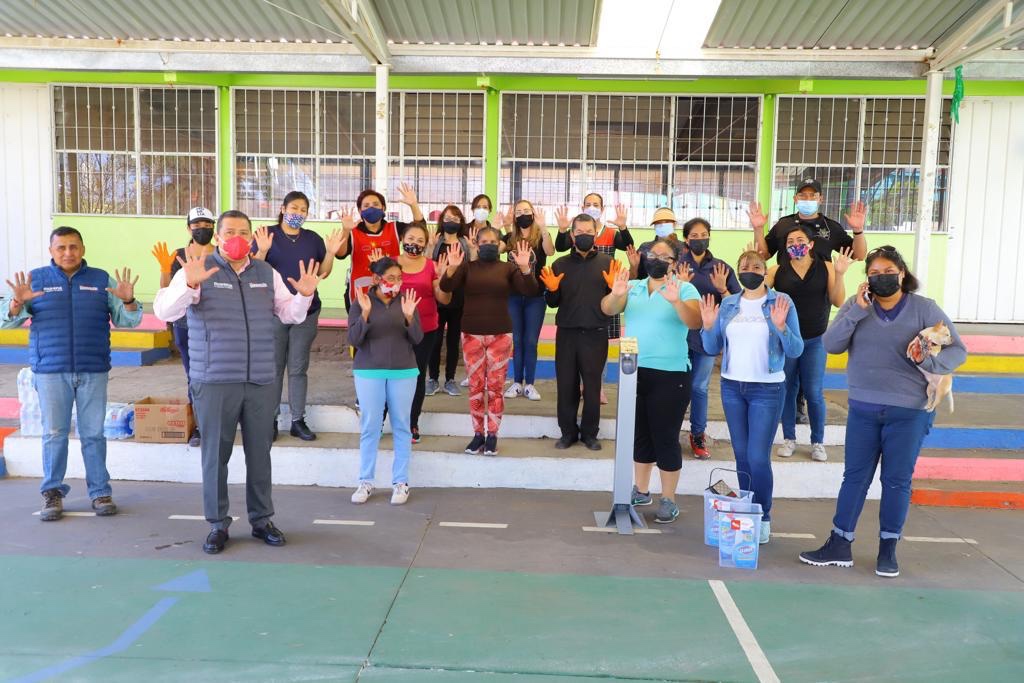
(871, 24)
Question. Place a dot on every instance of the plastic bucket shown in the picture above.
(739, 536)
(714, 502)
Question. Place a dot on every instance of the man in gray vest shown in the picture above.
(231, 302)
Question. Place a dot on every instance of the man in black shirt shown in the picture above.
(576, 283)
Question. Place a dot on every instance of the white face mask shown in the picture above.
(480, 214)
(593, 211)
(664, 229)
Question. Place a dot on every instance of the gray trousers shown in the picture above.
(219, 409)
(292, 344)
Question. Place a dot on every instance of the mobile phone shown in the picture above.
(867, 296)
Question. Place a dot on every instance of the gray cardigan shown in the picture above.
(384, 341)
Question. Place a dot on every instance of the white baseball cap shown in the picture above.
(200, 213)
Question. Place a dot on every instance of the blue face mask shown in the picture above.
(593, 211)
(807, 207)
(293, 220)
(664, 229)
(371, 214)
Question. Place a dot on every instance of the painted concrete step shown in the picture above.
(969, 494)
(119, 357)
(119, 338)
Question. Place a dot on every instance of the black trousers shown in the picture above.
(661, 400)
(580, 355)
(449, 332)
(422, 351)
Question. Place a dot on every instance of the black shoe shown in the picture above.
(476, 446)
(215, 541)
(274, 439)
(836, 552)
(591, 442)
(270, 534)
(887, 565)
(194, 440)
(302, 431)
(491, 445)
(565, 442)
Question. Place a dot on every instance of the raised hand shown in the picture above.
(503, 219)
(194, 265)
(613, 271)
(633, 256)
(264, 238)
(308, 278)
(376, 254)
(621, 285)
(21, 288)
(432, 238)
(842, 260)
(124, 288)
(335, 241)
(857, 216)
(621, 216)
(410, 300)
(684, 271)
(521, 255)
(550, 280)
(562, 218)
(364, 302)
(780, 309)
(407, 194)
(539, 219)
(720, 277)
(163, 256)
(757, 218)
(708, 311)
(349, 218)
(670, 290)
(455, 257)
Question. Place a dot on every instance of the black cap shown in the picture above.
(809, 182)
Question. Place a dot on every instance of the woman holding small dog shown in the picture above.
(881, 329)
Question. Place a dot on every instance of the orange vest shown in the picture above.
(362, 244)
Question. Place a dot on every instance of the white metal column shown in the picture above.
(381, 167)
(926, 187)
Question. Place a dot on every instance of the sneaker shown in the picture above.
(194, 440)
(886, 565)
(476, 446)
(818, 452)
(415, 434)
(637, 498)
(787, 449)
(104, 506)
(400, 494)
(53, 506)
(451, 388)
(766, 531)
(530, 392)
(514, 391)
(363, 493)
(431, 387)
(300, 429)
(464, 383)
(491, 445)
(698, 444)
(836, 552)
(667, 511)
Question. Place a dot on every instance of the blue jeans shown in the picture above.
(527, 318)
(373, 394)
(752, 412)
(701, 365)
(57, 393)
(898, 434)
(806, 372)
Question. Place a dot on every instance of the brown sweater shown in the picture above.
(487, 287)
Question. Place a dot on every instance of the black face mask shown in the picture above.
(884, 285)
(751, 280)
(488, 252)
(698, 247)
(451, 228)
(413, 249)
(524, 221)
(656, 268)
(583, 242)
(202, 236)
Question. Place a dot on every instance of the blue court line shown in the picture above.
(964, 384)
(967, 438)
(123, 642)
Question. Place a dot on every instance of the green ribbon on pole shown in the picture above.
(958, 93)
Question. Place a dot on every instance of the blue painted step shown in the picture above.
(18, 355)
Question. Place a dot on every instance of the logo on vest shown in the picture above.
(257, 285)
(86, 288)
(223, 285)
(58, 288)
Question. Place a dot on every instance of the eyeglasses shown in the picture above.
(663, 259)
(887, 251)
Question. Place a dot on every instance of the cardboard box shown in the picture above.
(163, 420)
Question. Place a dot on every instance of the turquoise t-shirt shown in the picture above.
(659, 332)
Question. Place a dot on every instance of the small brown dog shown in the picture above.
(930, 341)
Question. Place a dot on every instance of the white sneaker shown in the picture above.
(514, 391)
(531, 393)
(400, 494)
(818, 452)
(464, 383)
(766, 532)
(787, 449)
(363, 493)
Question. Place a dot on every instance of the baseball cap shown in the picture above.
(663, 214)
(811, 183)
(200, 213)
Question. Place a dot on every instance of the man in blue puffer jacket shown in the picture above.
(71, 306)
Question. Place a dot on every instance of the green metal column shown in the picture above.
(766, 156)
(492, 145)
(225, 162)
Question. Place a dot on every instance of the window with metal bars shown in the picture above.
(134, 151)
(696, 154)
(866, 148)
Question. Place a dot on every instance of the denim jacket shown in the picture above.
(781, 344)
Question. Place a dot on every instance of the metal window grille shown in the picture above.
(134, 151)
(866, 148)
(696, 154)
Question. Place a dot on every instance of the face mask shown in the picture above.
(480, 214)
(583, 242)
(698, 247)
(293, 220)
(413, 249)
(202, 236)
(593, 211)
(664, 229)
(450, 228)
(389, 289)
(884, 285)
(236, 248)
(656, 268)
(524, 221)
(798, 251)
(751, 280)
(488, 252)
(371, 214)
(807, 207)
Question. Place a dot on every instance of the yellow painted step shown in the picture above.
(121, 339)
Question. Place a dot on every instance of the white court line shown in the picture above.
(473, 525)
(194, 518)
(612, 530)
(70, 514)
(929, 539)
(344, 522)
(782, 534)
(755, 655)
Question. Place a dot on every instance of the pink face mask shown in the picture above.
(388, 289)
(236, 248)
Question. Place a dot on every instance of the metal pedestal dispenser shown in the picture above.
(623, 516)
